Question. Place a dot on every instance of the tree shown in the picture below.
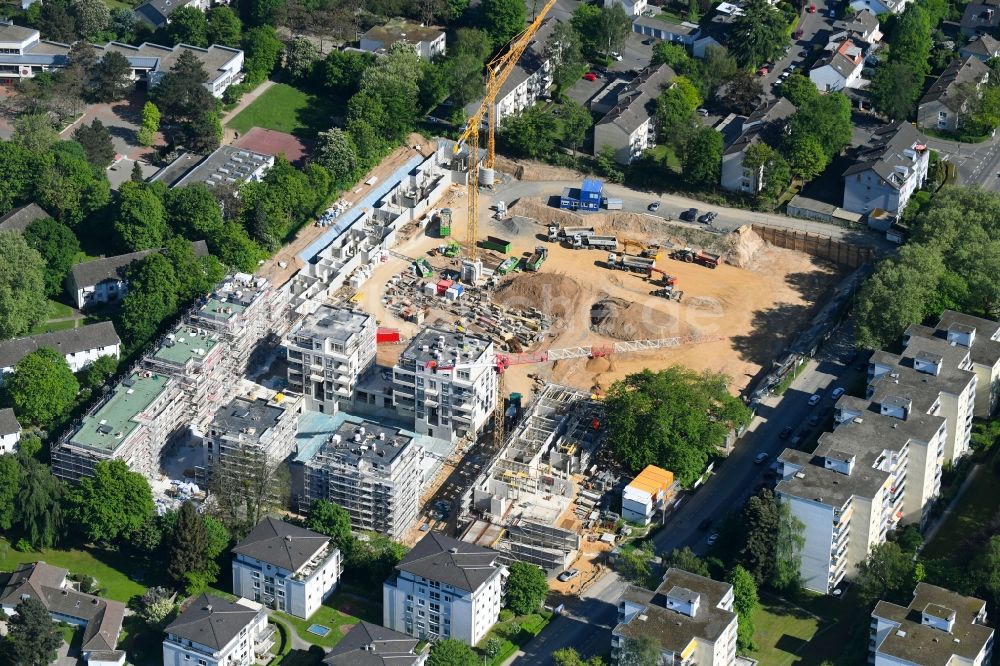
(986, 568)
(112, 505)
(788, 543)
(527, 586)
(718, 67)
(895, 89)
(188, 545)
(760, 524)
(673, 55)
(336, 152)
(15, 174)
(570, 657)
(332, 520)
(742, 93)
(188, 25)
(32, 638)
(34, 132)
(911, 40)
(758, 34)
(224, 26)
(799, 89)
(827, 118)
(141, 218)
(187, 107)
(702, 158)
(772, 167)
(806, 157)
(67, 186)
(888, 574)
(574, 120)
(42, 388)
(564, 51)
(388, 93)
(745, 603)
(99, 371)
(155, 606)
(193, 212)
(451, 652)
(301, 57)
(58, 247)
(151, 298)
(263, 51)
(607, 166)
(642, 651)
(92, 17)
(96, 141)
(196, 276)
(502, 19)
(685, 559)
(342, 71)
(259, 12)
(10, 481)
(112, 78)
(56, 23)
(39, 504)
(633, 562)
(601, 30)
(675, 418)
(22, 286)
(675, 111)
(150, 122)
(247, 487)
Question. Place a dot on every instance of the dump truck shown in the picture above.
(607, 243)
(423, 268)
(506, 266)
(633, 264)
(702, 257)
(537, 258)
(557, 234)
(611, 203)
(496, 244)
(444, 222)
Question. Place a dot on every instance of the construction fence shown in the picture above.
(817, 245)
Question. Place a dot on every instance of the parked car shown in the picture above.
(707, 217)
(837, 392)
(647, 42)
(653, 207)
(760, 458)
(690, 215)
(617, 56)
(814, 420)
(590, 76)
(712, 538)
(811, 9)
(568, 575)
(702, 112)
(792, 67)
(705, 524)
(785, 432)
(814, 399)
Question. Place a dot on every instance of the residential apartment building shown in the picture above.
(10, 431)
(21, 218)
(327, 353)
(372, 471)
(212, 631)
(947, 103)
(985, 48)
(427, 41)
(690, 618)
(156, 13)
(879, 7)
(766, 124)
(246, 432)
(839, 70)
(79, 346)
(888, 170)
(286, 567)
(23, 54)
(371, 643)
(646, 496)
(530, 78)
(937, 627)
(101, 619)
(630, 126)
(631, 7)
(445, 588)
(445, 383)
(982, 338)
(951, 393)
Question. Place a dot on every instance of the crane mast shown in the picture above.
(497, 71)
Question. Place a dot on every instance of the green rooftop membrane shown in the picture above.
(187, 343)
(110, 425)
(221, 310)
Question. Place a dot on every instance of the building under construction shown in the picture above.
(518, 499)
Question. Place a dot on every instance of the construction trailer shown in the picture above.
(587, 197)
(496, 244)
(702, 257)
(631, 263)
(612, 203)
(537, 258)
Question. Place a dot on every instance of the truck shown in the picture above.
(506, 266)
(608, 243)
(611, 203)
(702, 257)
(537, 258)
(557, 234)
(452, 249)
(496, 244)
(633, 264)
(423, 268)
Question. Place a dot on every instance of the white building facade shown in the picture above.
(213, 631)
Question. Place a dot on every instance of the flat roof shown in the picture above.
(184, 343)
(444, 346)
(106, 428)
(243, 413)
(340, 324)
(227, 164)
(219, 309)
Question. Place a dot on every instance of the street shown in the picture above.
(672, 205)
(589, 620)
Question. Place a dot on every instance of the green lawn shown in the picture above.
(117, 575)
(56, 310)
(49, 327)
(971, 513)
(782, 632)
(814, 629)
(340, 612)
(281, 108)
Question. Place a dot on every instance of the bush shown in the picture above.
(23, 546)
(506, 615)
(88, 584)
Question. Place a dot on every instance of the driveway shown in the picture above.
(121, 118)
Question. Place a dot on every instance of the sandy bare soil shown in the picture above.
(758, 306)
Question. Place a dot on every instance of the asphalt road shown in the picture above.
(588, 621)
(672, 205)
(978, 163)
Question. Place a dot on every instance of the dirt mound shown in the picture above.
(518, 225)
(743, 247)
(553, 294)
(625, 320)
(601, 364)
(636, 223)
(545, 214)
(529, 170)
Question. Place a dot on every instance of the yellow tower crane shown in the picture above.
(497, 71)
